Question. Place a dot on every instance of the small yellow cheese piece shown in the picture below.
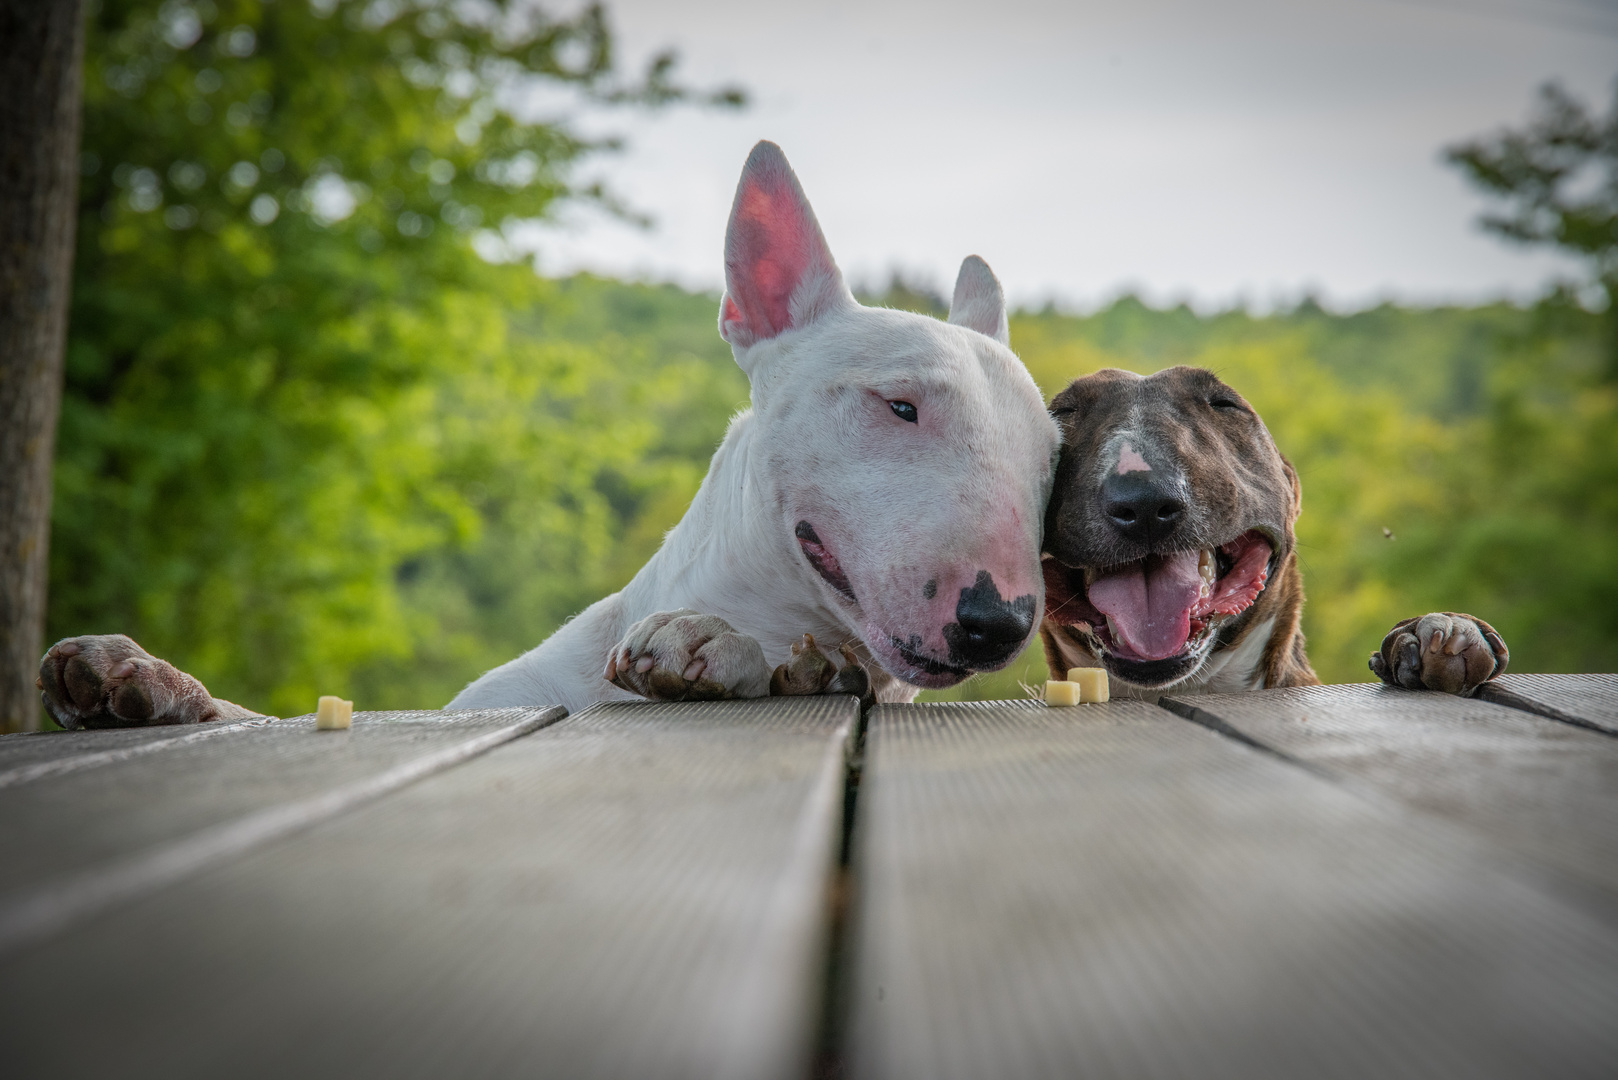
(333, 713)
(1061, 693)
(1092, 683)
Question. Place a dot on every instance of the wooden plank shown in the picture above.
(64, 835)
(37, 755)
(1587, 700)
(638, 891)
(1545, 790)
(1110, 891)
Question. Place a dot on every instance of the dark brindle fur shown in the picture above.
(1171, 558)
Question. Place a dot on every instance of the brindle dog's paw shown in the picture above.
(107, 681)
(852, 678)
(1443, 651)
(809, 671)
(688, 656)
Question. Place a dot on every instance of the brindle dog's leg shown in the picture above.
(1444, 651)
(107, 680)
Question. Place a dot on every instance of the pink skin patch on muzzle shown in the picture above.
(1129, 460)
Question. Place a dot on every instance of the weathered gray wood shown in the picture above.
(1547, 791)
(1586, 700)
(58, 828)
(25, 758)
(1110, 891)
(637, 891)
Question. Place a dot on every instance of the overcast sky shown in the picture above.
(1220, 152)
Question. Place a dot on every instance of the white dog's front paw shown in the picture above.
(688, 656)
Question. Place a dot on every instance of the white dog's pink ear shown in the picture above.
(779, 272)
(979, 304)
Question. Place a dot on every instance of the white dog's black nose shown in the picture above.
(988, 629)
(1143, 508)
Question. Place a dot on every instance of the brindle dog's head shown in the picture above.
(1172, 509)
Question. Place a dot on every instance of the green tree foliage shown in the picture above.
(310, 441)
(1558, 179)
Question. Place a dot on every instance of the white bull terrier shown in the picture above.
(885, 493)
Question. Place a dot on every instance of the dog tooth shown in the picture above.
(1206, 566)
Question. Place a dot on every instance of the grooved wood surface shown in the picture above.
(61, 825)
(31, 757)
(637, 891)
(1546, 790)
(30, 749)
(1591, 700)
(1113, 891)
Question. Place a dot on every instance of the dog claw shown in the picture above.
(645, 664)
(852, 678)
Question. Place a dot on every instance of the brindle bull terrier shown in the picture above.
(1170, 558)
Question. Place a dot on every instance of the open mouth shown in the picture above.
(1158, 615)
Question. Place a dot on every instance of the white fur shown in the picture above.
(900, 504)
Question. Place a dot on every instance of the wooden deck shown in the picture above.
(1334, 882)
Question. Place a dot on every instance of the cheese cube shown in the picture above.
(1092, 683)
(333, 713)
(1061, 693)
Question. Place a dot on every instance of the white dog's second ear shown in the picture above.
(779, 273)
(979, 303)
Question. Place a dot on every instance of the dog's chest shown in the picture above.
(1241, 667)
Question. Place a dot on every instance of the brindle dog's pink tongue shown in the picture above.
(1149, 603)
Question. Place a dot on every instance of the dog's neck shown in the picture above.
(731, 556)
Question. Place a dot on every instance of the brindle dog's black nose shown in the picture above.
(988, 629)
(1142, 508)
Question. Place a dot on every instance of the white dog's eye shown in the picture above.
(903, 410)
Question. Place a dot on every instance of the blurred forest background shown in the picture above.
(323, 433)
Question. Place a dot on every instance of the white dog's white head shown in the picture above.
(909, 459)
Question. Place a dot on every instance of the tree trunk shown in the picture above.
(41, 66)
